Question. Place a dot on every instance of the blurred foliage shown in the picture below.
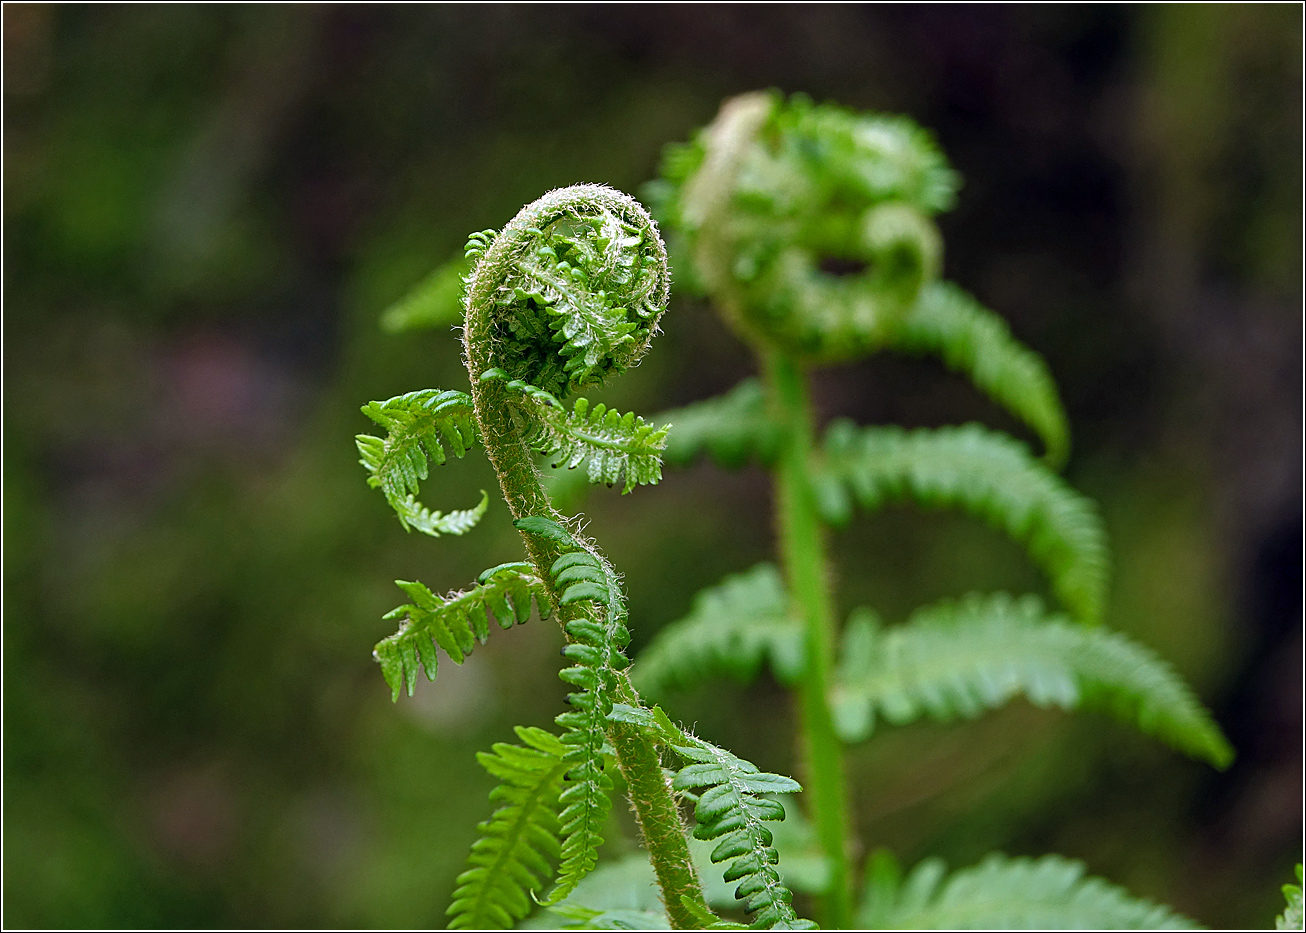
(208, 208)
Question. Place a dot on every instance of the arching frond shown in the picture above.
(730, 630)
(514, 853)
(455, 622)
(971, 339)
(956, 660)
(1001, 893)
(418, 425)
(732, 428)
(730, 811)
(436, 301)
(597, 637)
(987, 474)
(608, 443)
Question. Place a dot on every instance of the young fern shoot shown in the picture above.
(758, 206)
(566, 295)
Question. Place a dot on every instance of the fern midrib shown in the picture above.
(505, 854)
(606, 443)
(931, 667)
(774, 886)
(565, 288)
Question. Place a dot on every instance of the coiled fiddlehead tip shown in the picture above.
(812, 224)
(569, 292)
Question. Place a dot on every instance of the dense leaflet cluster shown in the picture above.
(775, 199)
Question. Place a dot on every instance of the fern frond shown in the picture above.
(973, 340)
(455, 622)
(1293, 916)
(514, 853)
(597, 638)
(730, 810)
(730, 630)
(959, 659)
(1001, 893)
(419, 425)
(436, 301)
(733, 428)
(577, 288)
(607, 442)
(987, 474)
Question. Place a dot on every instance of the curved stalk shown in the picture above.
(651, 797)
(804, 554)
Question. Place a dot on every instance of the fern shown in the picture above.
(729, 809)
(1293, 916)
(419, 424)
(454, 622)
(1001, 893)
(618, 895)
(607, 442)
(589, 287)
(985, 473)
(959, 659)
(597, 639)
(730, 630)
(516, 847)
(733, 428)
(972, 339)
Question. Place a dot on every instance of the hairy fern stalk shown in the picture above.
(755, 205)
(566, 295)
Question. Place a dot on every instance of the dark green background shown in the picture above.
(206, 209)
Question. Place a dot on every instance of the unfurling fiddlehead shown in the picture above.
(567, 294)
(811, 228)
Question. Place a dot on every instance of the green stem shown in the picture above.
(650, 795)
(803, 551)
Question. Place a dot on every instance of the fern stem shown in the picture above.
(659, 821)
(505, 445)
(803, 551)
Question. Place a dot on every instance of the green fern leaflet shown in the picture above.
(731, 630)
(514, 854)
(1001, 893)
(607, 443)
(973, 340)
(454, 622)
(985, 473)
(956, 660)
(596, 639)
(733, 428)
(419, 425)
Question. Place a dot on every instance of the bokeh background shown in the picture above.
(206, 208)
